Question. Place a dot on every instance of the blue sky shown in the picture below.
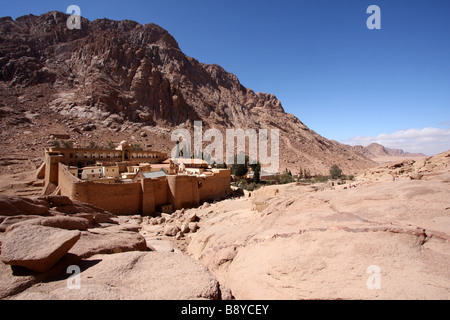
(344, 81)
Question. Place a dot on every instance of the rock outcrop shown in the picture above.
(426, 168)
(320, 242)
(134, 276)
(116, 261)
(105, 241)
(37, 248)
(60, 222)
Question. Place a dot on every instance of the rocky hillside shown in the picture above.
(115, 80)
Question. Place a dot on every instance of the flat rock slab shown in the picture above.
(8, 221)
(60, 222)
(104, 241)
(13, 206)
(133, 276)
(35, 247)
(15, 280)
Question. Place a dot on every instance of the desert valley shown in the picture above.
(382, 231)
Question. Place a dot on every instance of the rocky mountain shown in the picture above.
(376, 150)
(120, 80)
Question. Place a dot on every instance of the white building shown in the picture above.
(111, 171)
(92, 173)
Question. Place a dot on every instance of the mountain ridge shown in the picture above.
(130, 81)
(375, 150)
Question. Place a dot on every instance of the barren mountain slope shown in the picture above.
(115, 80)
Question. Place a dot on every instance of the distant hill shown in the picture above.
(376, 150)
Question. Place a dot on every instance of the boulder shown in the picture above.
(206, 205)
(104, 241)
(8, 221)
(415, 176)
(185, 227)
(103, 218)
(133, 227)
(37, 248)
(137, 218)
(15, 280)
(159, 220)
(171, 230)
(162, 246)
(88, 216)
(179, 235)
(13, 206)
(59, 200)
(77, 207)
(193, 226)
(191, 216)
(225, 293)
(63, 222)
(133, 276)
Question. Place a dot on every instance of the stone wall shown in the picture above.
(120, 199)
(216, 186)
(182, 191)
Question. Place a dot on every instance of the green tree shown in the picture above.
(257, 173)
(221, 166)
(286, 178)
(241, 169)
(335, 172)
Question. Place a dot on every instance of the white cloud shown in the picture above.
(430, 141)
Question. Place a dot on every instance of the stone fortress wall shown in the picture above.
(141, 196)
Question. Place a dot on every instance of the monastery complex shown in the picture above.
(128, 182)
